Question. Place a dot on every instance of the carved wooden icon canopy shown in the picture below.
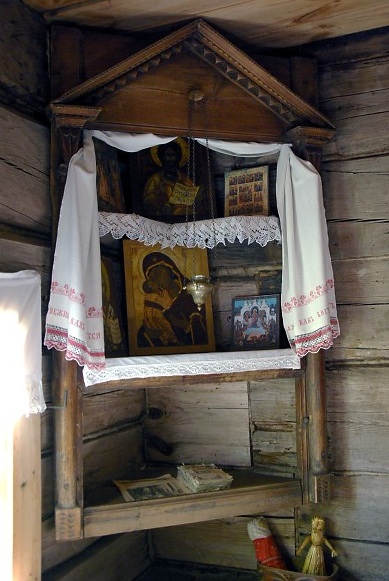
(149, 90)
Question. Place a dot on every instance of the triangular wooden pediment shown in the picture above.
(208, 45)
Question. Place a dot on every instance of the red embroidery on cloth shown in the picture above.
(94, 313)
(65, 290)
(319, 339)
(319, 291)
(59, 339)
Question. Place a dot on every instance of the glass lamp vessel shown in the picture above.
(199, 287)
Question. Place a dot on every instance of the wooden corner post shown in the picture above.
(311, 400)
(67, 123)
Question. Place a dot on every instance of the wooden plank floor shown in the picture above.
(173, 571)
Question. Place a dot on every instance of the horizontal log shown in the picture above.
(372, 137)
(272, 401)
(109, 559)
(363, 335)
(32, 212)
(201, 396)
(207, 424)
(225, 543)
(273, 424)
(354, 94)
(352, 81)
(362, 561)
(355, 395)
(274, 448)
(214, 543)
(344, 107)
(361, 281)
(358, 239)
(364, 453)
(103, 411)
(368, 45)
(358, 447)
(358, 419)
(359, 509)
(232, 255)
(356, 189)
(25, 145)
(23, 68)
(24, 165)
(114, 456)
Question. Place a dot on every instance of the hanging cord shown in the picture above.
(209, 176)
(194, 96)
(188, 175)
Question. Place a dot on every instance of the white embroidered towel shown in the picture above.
(74, 322)
(308, 292)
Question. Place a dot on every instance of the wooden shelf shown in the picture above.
(249, 494)
(185, 369)
(183, 380)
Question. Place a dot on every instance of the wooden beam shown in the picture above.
(262, 495)
(27, 499)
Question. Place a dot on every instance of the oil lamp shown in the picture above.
(199, 286)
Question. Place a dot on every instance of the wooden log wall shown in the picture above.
(354, 91)
(354, 94)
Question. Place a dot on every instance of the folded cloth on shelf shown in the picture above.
(191, 364)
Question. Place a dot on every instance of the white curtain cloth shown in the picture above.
(21, 342)
(74, 322)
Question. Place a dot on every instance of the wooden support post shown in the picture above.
(319, 478)
(67, 418)
(311, 391)
(67, 125)
(302, 421)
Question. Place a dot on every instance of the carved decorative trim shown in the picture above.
(225, 68)
(68, 140)
(222, 65)
(313, 136)
(72, 115)
(68, 524)
(147, 66)
(206, 43)
(309, 141)
(68, 122)
(321, 487)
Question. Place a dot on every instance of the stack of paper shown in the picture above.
(203, 477)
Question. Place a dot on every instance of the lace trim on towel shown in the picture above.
(191, 364)
(203, 233)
